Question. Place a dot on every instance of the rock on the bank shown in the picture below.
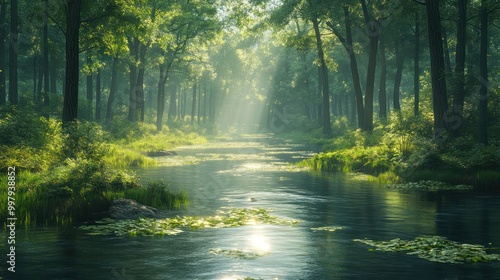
(130, 209)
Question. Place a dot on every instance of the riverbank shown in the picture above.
(404, 151)
(65, 177)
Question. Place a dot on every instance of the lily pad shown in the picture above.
(329, 228)
(435, 249)
(239, 254)
(227, 217)
(429, 186)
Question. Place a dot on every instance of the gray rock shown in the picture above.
(130, 209)
(161, 153)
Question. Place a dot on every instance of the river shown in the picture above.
(253, 172)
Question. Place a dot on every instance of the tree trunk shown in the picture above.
(161, 98)
(70, 109)
(13, 48)
(416, 67)
(382, 92)
(193, 105)
(98, 95)
(483, 77)
(459, 75)
(205, 99)
(3, 35)
(133, 44)
(46, 101)
(356, 82)
(140, 80)
(172, 110)
(373, 31)
(446, 50)
(90, 90)
(398, 77)
(439, 99)
(39, 98)
(324, 79)
(112, 92)
(53, 74)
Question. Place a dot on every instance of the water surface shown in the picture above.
(253, 172)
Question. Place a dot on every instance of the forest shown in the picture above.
(95, 95)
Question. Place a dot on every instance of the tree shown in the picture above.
(323, 78)
(459, 74)
(3, 35)
(483, 77)
(438, 77)
(13, 48)
(70, 108)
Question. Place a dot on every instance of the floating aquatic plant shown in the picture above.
(329, 228)
(435, 249)
(429, 186)
(239, 254)
(227, 217)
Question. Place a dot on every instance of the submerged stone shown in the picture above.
(130, 209)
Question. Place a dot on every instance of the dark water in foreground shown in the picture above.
(252, 173)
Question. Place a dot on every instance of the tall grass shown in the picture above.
(42, 203)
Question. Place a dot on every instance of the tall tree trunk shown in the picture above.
(398, 77)
(347, 42)
(140, 80)
(172, 110)
(70, 108)
(133, 44)
(13, 47)
(416, 67)
(112, 91)
(53, 73)
(90, 89)
(3, 35)
(483, 77)
(447, 60)
(35, 76)
(459, 75)
(439, 99)
(193, 105)
(39, 98)
(161, 97)
(382, 92)
(324, 79)
(98, 95)
(373, 31)
(46, 101)
(199, 105)
(205, 99)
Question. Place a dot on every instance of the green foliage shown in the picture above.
(84, 141)
(28, 141)
(79, 189)
(435, 249)
(371, 160)
(157, 194)
(24, 128)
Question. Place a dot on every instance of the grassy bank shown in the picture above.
(403, 150)
(72, 175)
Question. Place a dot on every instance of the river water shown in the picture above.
(253, 172)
